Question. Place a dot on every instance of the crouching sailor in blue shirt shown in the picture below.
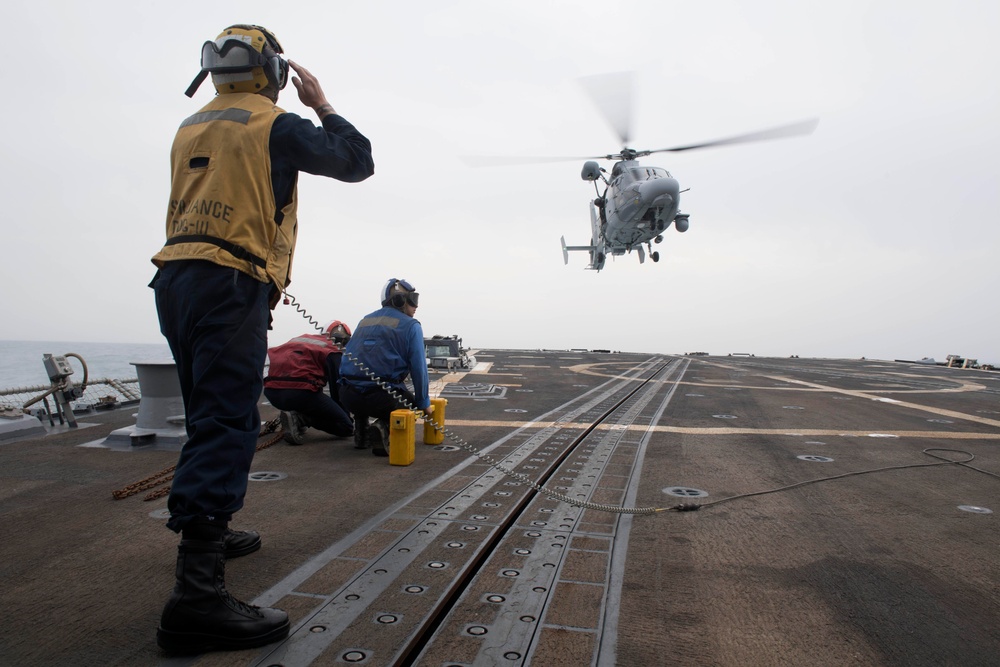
(231, 226)
(388, 343)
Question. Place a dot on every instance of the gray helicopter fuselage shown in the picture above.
(640, 203)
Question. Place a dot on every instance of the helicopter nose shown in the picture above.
(659, 191)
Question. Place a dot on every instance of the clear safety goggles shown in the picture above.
(235, 55)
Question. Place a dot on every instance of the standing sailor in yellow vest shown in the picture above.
(231, 227)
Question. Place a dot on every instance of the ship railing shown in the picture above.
(100, 394)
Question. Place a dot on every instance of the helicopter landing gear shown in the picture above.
(658, 239)
(653, 255)
(597, 261)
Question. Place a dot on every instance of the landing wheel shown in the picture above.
(658, 239)
(655, 256)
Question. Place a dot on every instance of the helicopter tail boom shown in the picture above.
(596, 247)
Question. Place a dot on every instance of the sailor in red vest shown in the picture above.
(299, 372)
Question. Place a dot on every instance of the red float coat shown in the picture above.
(300, 363)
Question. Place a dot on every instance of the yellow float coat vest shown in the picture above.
(222, 206)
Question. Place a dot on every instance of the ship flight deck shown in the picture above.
(835, 512)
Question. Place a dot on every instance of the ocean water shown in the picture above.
(21, 361)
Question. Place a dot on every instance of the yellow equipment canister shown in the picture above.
(435, 436)
(402, 434)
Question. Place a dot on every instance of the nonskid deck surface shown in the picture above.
(449, 561)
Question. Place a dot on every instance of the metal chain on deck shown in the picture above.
(156, 479)
(166, 474)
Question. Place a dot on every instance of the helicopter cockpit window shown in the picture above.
(646, 173)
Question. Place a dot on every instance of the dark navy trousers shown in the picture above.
(215, 320)
(368, 402)
(320, 411)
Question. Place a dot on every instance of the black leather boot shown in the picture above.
(378, 437)
(202, 616)
(361, 434)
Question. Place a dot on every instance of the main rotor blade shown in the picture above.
(511, 160)
(612, 95)
(780, 132)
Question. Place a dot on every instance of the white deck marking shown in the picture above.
(697, 430)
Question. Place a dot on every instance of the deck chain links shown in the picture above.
(166, 474)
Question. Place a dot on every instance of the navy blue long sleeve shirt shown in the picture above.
(336, 150)
(390, 344)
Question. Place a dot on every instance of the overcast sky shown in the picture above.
(875, 236)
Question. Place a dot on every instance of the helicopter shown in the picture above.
(639, 202)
